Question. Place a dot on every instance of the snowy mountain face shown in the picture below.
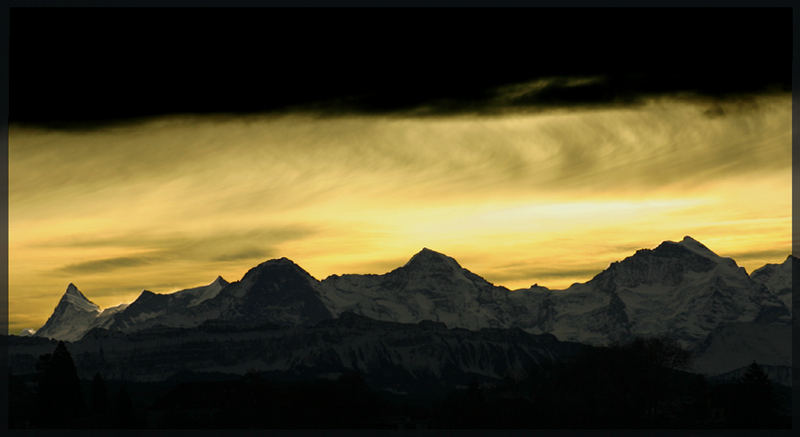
(76, 315)
(678, 290)
(199, 295)
(275, 292)
(431, 286)
(104, 318)
(72, 317)
(681, 290)
(175, 309)
(778, 279)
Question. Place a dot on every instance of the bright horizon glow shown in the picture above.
(521, 198)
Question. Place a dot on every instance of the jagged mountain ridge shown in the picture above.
(431, 286)
(150, 307)
(682, 290)
(75, 314)
(276, 291)
(679, 289)
(778, 279)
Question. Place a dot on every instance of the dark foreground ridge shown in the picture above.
(637, 385)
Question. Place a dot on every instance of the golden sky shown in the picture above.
(549, 197)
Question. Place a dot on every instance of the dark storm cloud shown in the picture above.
(343, 61)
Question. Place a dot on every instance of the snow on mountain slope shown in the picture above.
(682, 290)
(276, 291)
(76, 314)
(679, 289)
(591, 313)
(199, 295)
(778, 279)
(140, 313)
(105, 317)
(176, 309)
(71, 318)
(686, 290)
(430, 286)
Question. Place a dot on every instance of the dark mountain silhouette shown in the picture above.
(276, 291)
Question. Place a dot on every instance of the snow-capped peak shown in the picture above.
(210, 291)
(75, 298)
(427, 258)
(73, 314)
(694, 247)
(697, 247)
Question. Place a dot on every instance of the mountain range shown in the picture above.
(681, 290)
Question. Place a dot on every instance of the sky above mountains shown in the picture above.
(527, 166)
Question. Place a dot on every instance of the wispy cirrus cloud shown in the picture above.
(175, 201)
(108, 264)
(159, 248)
